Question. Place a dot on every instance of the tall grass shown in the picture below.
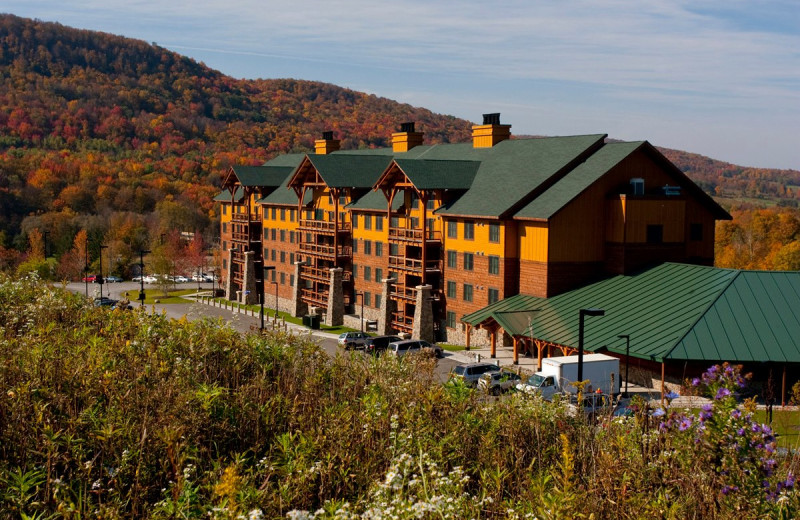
(121, 414)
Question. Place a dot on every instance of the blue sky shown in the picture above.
(717, 78)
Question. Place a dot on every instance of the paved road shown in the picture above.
(241, 322)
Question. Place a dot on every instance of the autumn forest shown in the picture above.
(111, 141)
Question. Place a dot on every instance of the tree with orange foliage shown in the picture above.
(72, 263)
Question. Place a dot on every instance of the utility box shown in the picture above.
(311, 321)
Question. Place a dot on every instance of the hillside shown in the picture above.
(129, 140)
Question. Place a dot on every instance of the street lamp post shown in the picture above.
(142, 295)
(584, 312)
(99, 278)
(627, 339)
(362, 309)
(86, 267)
(264, 279)
(275, 283)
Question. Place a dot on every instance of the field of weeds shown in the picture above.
(125, 414)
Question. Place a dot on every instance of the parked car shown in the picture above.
(150, 279)
(180, 279)
(591, 404)
(91, 278)
(470, 373)
(113, 279)
(104, 302)
(496, 383)
(136, 279)
(379, 344)
(409, 346)
(353, 340)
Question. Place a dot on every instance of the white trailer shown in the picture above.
(559, 373)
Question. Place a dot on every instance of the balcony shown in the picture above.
(324, 227)
(325, 251)
(404, 292)
(239, 217)
(402, 323)
(309, 272)
(413, 265)
(414, 235)
(312, 297)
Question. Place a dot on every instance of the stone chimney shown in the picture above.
(327, 144)
(490, 132)
(406, 138)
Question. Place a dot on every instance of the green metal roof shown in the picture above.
(427, 174)
(349, 171)
(262, 176)
(576, 181)
(374, 201)
(674, 312)
(225, 196)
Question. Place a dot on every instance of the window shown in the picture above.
(291, 237)
(378, 248)
(224, 264)
(451, 289)
(355, 271)
(469, 259)
(283, 278)
(367, 299)
(224, 209)
(224, 245)
(394, 222)
(274, 255)
(355, 221)
(494, 295)
(469, 230)
(655, 234)
(394, 249)
(283, 235)
(430, 204)
(451, 319)
(291, 217)
(342, 200)
(378, 223)
(283, 257)
(274, 234)
(355, 245)
(283, 214)
(367, 247)
(266, 253)
(494, 265)
(291, 280)
(377, 301)
(696, 232)
(367, 273)
(319, 214)
(467, 292)
(367, 221)
(291, 258)
(452, 259)
(274, 213)
(273, 273)
(224, 227)
(494, 232)
(309, 214)
(378, 274)
(452, 229)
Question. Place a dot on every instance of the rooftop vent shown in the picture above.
(407, 127)
(491, 119)
(328, 136)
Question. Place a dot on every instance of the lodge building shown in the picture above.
(419, 235)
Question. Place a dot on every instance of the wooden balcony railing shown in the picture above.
(325, 251)
(319, 299)
(321, 274)
(414, 235)
(413, 264)
(402, 291)
(239, 217)
(244, 217)
(323, 226)
(402, 322)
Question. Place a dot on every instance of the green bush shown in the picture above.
(118, 414)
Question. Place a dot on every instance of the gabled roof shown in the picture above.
(225, 195)
(261, 176)
(674, 312)
(349, 170)
(427, 174)
(576, 181)
(374, 200)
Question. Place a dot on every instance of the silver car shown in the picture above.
(470, 373)
(496, 383)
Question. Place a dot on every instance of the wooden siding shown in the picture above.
(533, 241)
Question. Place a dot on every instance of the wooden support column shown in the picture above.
(469, 328)
(493, 341)
(539, 351)
(783, 387)
(516, 351)
(663, 383)
(423, 199)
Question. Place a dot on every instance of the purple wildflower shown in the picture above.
(740, 432)
(686, 423)
(673, 395)
(789, 482)
(736, 413)
(722, 393)
(696, 381)
(706, 413)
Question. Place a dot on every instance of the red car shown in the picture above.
(90, 278)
